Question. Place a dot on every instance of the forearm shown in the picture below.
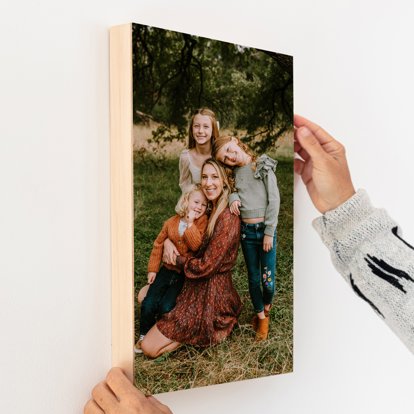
(170, 252)
(155, 258)
(181, 261)
(154, 261)
(216, 256)
(273, 206)
(234, 197)
(193, 238)
(185, 173)
(368, 251)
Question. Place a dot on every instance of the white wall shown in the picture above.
(353, 74)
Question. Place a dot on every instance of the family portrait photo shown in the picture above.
(213, 211)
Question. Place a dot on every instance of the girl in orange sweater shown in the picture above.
(186, 230)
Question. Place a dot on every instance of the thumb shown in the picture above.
(309, 142)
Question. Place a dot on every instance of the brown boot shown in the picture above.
(255, 318)
(262, 329)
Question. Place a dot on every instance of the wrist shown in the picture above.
(353, 208)
(180, 261)
(340, 200)
(353, 223)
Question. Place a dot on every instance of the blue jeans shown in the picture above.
(161, 297)
(261, 265)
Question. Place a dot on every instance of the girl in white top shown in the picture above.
(202, 132)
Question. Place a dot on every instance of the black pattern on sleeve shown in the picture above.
(362, 296)
(395, 233)
(385, 271)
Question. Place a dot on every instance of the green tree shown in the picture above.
(176, 73)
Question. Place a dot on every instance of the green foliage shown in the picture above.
(176, 73)
(155, 194)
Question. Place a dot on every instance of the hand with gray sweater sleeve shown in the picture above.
(366, 245)
(234, 203)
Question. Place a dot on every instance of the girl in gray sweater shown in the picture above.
(257, 202)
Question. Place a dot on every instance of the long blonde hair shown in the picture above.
(223, 199)
(214, 126)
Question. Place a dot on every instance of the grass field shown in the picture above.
(156, 192)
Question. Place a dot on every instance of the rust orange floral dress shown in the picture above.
(208, 305)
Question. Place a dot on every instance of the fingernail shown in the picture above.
(304, 132)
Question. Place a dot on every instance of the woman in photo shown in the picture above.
(208, 307)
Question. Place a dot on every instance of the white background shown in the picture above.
(354, 74)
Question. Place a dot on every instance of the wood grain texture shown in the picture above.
(122, 224)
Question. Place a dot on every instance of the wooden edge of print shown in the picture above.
(122, 227)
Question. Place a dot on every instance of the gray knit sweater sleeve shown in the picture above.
(233, 197)
(367, 249)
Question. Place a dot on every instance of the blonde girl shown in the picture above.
(202, 131)
(257, 201)
(186, 230)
